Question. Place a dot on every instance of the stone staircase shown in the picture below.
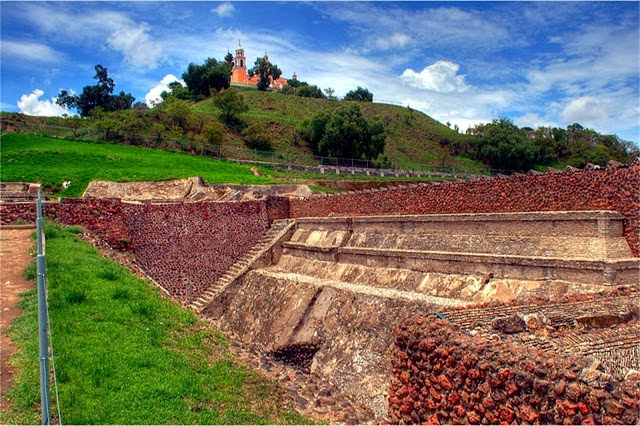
(276, 232)
(232, 195)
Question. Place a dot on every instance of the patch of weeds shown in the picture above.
(108, 274)
(53, 230)
(30, 272)
(145, 309)
(76, 296)
(120, 294)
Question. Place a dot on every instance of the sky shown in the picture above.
(537, 63)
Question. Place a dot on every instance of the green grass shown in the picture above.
(125, 355)
(413, 138)
(30, 158)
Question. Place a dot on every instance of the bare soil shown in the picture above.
(14, 258)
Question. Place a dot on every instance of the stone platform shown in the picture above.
(330, 291)
(581, 247)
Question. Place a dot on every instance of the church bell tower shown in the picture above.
(239, 72)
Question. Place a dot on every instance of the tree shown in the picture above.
(256, 137)
(266, 71)
(175, 113)
(502, 145)
(99, 95)
(295, 83)
(201, 80)
(329, 92)
(346, 134)
(177, 90)
(213, 133)
(307, 91)
(231, 103)
(360, 95)
(228, 58)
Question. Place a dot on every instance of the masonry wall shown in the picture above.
(442, 376)
(183, 246)
(614, 188)
(188, 246)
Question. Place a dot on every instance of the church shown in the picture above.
(240, 77)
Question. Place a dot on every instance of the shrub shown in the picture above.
(255, 137)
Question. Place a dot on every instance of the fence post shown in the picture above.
(42, 318)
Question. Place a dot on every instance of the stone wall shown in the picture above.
(441, 375)
(104, 218)
(183, 246)
(188, 246)
(615, 188)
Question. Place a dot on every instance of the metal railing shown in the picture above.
(293, 160)
(44, 332)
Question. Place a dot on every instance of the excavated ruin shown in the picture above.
(512, 299)
(334, 289)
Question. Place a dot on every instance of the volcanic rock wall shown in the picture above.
(103, 218)
(441, 375)
(187, 246)
(615, 188)
(183, 246)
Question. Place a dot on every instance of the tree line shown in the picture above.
(503, 145)
(343, 133)
(348, 134)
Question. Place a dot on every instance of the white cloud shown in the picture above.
(224, 10)
(440, 77)
(152, 97)
(28, 51)
(450, 26)
(533, 120)
(396, 41)
(136, 45)
(113, 29)
(586, 110)
(32, 105)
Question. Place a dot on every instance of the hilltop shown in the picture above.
(274, 127)
(413, 138)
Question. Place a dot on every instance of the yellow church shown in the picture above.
(239, 74)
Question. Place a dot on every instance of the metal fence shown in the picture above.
(292, 160)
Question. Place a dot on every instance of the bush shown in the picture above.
(359, 95)
(255, 137)
(346, 133)
(213, 133)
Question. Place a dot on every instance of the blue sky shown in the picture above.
(538, 63)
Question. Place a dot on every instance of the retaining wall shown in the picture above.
(183, 246)
(441, 375)
(616, 188)
(188, 246)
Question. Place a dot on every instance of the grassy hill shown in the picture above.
(34, 158)
(413, 138)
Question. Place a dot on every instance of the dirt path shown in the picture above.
(14, 257)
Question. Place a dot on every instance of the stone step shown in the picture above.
(241, 264)
(368, 290)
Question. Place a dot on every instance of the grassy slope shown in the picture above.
(32, 158)
(28, 158)
(125, 355)
(412, 137)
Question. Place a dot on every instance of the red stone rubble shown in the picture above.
(443, 376)
(616, 188)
